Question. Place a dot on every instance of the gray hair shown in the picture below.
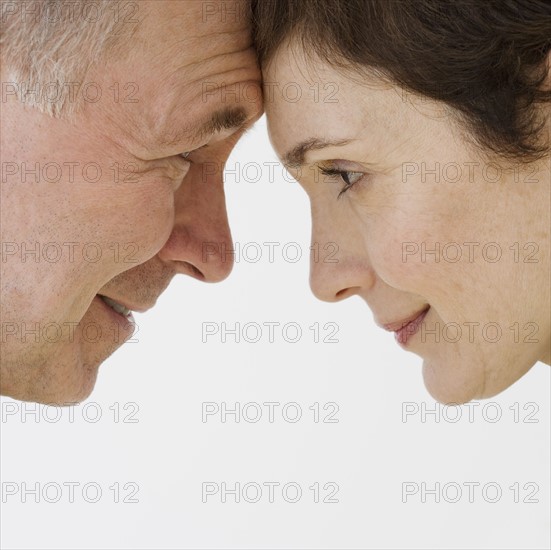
(48, 46)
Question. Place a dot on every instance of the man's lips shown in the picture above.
(119, 308)
(122, 323)
(123, 308)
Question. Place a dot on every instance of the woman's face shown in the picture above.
(424, 225)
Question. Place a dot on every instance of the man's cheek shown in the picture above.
(134, 234)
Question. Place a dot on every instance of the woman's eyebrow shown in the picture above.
(295, 157)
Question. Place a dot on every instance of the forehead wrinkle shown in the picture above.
(170, 118)
(188, 70)
(220, 35)
(179, 16)
(187, 101)
(199, 49)
(179, 87)
(220, 61)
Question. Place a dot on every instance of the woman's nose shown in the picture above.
(339, 265)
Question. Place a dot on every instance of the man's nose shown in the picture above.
(200, 244)
(339, 265)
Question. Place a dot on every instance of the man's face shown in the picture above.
(114, 210)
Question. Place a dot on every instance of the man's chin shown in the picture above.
(55, 383)
(63, 378)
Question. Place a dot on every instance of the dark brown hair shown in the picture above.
(485, 58)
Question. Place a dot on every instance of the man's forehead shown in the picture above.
(186, 40)
(193, 19)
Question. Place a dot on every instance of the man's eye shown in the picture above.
(187, 154)
(349, 178)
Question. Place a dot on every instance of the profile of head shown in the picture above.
(115, 130)
(421, 132)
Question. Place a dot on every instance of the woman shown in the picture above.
(420, 131)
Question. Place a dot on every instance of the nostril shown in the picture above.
(341, 293)
(346, 292)
(193, 271)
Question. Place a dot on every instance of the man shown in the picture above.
(117, 119)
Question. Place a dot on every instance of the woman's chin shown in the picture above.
(452, 386)
(460, 379)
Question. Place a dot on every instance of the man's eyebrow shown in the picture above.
(295, 157)
(230, 118)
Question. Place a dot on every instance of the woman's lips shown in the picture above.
(411, 328)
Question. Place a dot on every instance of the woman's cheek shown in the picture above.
(386, 232)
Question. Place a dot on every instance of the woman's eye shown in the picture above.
(186, 155)
(349, 178)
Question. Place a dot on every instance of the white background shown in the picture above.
(161, 381)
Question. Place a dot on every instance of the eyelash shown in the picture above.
(343, 174)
